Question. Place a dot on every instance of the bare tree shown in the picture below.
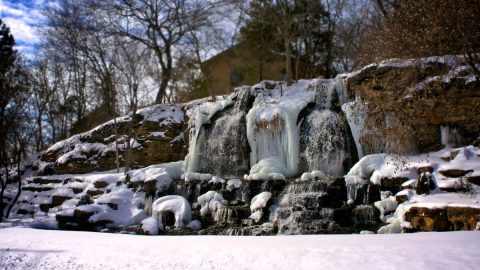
(411, 28)
(160, 25)
(356, 17)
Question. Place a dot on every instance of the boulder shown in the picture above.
(94, 192)
(44, 181)
(100, 184)
(454, 173)
(474, 180)
(424, 169)
(425, 184)
(57, 200)
(463, 218)
(427, 220)
(447, 219)
(393, 184)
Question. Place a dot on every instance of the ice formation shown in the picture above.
(450, 136)
(273, 131)
(356, 118)
(277, 130)
(210, 202)
(178, 205)
(325, 142)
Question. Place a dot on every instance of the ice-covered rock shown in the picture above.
(178, 205)
(210, 201)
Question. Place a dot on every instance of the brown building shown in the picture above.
(237, 66)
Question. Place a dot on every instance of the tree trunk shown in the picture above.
(2, 191)
(39, 145)
(288, 60)
(19, 190)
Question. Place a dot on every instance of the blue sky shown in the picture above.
(24, 17)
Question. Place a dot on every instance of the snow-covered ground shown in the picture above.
(25, 248)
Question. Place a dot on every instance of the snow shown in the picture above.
(210, 202)
(216, 179)
(164, 114)
(378, 167)
(191, 176)
(260, 201)
(443, 200)
(24, 248)
(195, 225)
(178, 205)
(257, 204)
(233, 184)
(150, 226)
(273, 164)
(163, 173)
(128, 203)
(366, 166)
(160, 134)
(385, 206)
(315, 175)
(77, 147)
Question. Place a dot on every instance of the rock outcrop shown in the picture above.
(413, 106)
(155, 135)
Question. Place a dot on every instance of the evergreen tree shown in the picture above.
(14, 93)
(299, 30)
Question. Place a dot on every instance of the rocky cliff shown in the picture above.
(417, 105)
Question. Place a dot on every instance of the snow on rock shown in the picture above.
(156, 127)
(216, 179)
(195, 225)
(162, 173)
(385, 206)
(210, 202)
(127, 203)
(164, 114)
(178, 205)
(150, 226)
(366, 166)
(233, 184)
(190, 176)
(450, 169)
(445, 164)
(441, 200)
(258, 203)
(260, 200)
(315, 175)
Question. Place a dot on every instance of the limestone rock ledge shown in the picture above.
(155, 135)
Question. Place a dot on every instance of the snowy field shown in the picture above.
(25, 248)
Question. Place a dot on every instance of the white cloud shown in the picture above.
(22, 31)
(25, 20)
